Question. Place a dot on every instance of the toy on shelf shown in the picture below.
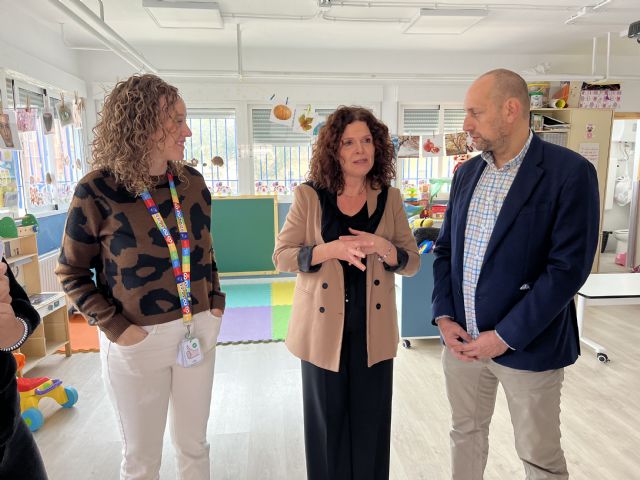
(29, 224)
(9, 228)
(32, 390)
(422, 222)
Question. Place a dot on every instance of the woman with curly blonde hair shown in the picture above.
(345, 236)
(141, 220)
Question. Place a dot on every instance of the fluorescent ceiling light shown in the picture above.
(176, 14)
(601, 4)
(445, 21)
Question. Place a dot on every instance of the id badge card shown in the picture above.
(189, 352)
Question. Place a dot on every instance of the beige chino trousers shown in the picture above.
(143, 380)
(534, 404)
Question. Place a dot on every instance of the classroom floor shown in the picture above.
(256, 431)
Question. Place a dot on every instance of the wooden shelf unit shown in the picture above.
(21, 253)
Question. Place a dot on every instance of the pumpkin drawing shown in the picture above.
(282, 112)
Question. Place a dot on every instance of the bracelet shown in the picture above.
(19, 343)
(384, 257)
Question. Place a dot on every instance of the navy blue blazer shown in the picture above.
(539, 255)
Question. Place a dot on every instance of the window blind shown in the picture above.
(421, 121)
(266, 132)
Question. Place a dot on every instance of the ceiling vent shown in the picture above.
(177, 14)
(445, 21)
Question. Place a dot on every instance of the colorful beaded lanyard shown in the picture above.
(181, 272)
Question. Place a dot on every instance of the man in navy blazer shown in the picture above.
(518, 241)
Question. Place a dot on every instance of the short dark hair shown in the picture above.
(508, 84)
(325, 170)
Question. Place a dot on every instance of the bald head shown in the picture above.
(507, 84)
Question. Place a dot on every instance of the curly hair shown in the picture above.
(325, 170)
(132, 113)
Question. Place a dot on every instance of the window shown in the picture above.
(48, 167)
(429, 121)
(214, 135)
(280, 156)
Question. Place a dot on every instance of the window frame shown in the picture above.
(375, 109)
(48, 145)
(443, 169)
(210, 114)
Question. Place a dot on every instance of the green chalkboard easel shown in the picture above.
(244, 230)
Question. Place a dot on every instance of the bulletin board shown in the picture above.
(244, 230)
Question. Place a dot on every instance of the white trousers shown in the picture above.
(143, 380)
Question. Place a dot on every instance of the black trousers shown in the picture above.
(21, 458)
(347, 416)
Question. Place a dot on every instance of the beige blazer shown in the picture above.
(317, 313)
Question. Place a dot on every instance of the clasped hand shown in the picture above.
(464, 347)
(353, 248)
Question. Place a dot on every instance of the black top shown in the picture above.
(334, 224)
(355, 280)
(9, 399)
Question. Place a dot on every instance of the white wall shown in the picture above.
(428, 79)
(30, 48)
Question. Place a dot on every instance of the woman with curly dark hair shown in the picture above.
(345, 236)
(141, 220)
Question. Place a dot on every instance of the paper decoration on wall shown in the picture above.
(9, 138)
(47, 118)
(26, 119)
(588, 134)
(457, 144)
(304, 119)
(281, 113)
(64, 113)
(432, 146)
(408, 146)
(395, 141)
(78, 108)
(217, 161)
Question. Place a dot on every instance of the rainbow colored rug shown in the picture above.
(256, 312)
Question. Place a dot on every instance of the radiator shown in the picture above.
(48, 280)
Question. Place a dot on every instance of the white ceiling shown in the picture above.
(510, 27)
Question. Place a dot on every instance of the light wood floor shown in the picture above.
(256, 425)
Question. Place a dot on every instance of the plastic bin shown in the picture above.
(538, 94)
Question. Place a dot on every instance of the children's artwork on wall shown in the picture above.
(64, 113)
(457, 144)
(77, 116)
(78, 108)
(395, 141)
(304, 119)
(408, 146)
(281, 113)
(26, 119)
(432, 145)
(47, 118)
(9, 138)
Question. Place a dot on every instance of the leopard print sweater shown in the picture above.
(110, 231)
